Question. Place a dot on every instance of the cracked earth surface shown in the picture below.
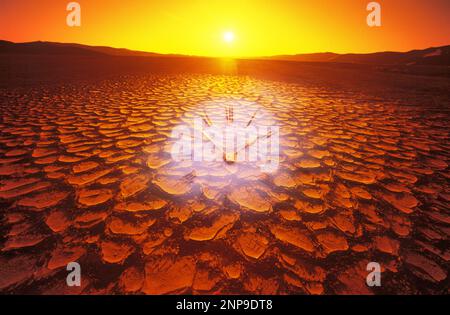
(86, 175)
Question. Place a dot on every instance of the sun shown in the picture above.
(228, 37)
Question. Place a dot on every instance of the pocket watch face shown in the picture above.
(228, 132)
(220, 146)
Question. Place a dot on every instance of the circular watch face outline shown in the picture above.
(186, 173)
(227, 131)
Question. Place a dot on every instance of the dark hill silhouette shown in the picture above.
(45, 48)
(430, 56)
(51, 48)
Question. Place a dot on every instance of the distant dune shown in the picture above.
(438, 56)
(51, 48)
(429, 56)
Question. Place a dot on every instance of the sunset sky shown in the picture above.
(234, 27)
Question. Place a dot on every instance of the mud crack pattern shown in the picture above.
(87, 176)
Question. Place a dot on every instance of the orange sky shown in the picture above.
(261, 27)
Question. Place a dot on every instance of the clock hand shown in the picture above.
(207, 120)
(207, 136)
(229, 114)
(251, 119)
(227, 156)
(253, 141)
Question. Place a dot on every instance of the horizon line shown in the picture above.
(221, 56)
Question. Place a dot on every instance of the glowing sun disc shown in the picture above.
(228, 37)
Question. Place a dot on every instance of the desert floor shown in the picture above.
(86, 175)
